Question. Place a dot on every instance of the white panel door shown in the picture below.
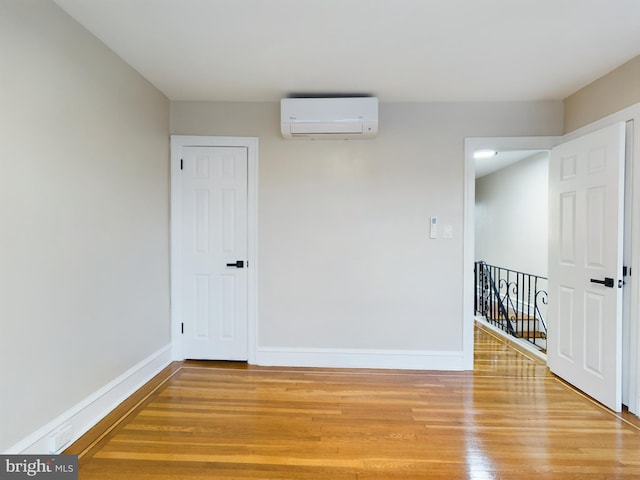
(214, 253)
(586, 188)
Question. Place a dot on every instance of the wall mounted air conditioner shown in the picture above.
(329, 118)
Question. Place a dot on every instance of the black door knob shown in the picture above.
(607, 282)
(237, 264)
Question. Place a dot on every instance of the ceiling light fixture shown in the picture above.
(484, 154)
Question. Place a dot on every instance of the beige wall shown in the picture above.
(84, 208)
(512, 216)
(609, 94)
(345, 260)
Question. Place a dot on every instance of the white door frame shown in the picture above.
(545, 143)
(251, 144)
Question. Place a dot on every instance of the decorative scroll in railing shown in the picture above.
(514, 301)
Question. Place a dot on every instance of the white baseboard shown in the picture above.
(360, 358)
(96, 406)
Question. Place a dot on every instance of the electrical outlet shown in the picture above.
(60, 438)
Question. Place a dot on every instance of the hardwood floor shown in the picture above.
(509, 419)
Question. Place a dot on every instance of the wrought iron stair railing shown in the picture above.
(512, 301)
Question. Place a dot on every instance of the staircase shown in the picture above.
(512, 301)
(523, 324)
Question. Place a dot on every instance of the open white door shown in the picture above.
(586, 203)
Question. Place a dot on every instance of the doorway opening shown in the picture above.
(498, 144)
(511, 239)
(546, 143)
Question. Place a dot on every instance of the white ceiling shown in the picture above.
(398, 50)
(485, 166)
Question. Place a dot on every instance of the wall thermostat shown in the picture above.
(433, 229)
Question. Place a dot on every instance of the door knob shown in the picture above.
(607, 282)
(237, 264)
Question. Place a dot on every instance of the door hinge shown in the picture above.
(182, 328)
(181, 164)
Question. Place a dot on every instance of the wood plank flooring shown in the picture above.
(509, 419)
